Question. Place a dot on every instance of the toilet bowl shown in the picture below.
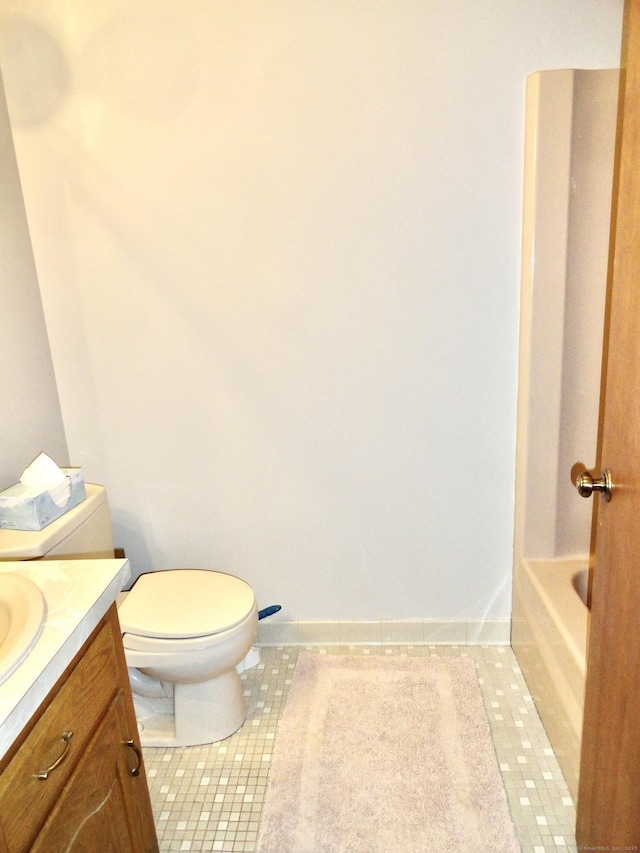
(185, 631)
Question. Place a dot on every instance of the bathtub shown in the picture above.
(549, 637)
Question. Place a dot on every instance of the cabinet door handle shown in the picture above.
(44, 774)
(135, 771)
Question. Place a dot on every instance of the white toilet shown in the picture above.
(186, 632)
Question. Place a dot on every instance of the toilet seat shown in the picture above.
(171, 645)
(184, 606)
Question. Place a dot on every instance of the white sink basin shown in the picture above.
(23, 611)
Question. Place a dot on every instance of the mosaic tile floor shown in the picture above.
(209, 798)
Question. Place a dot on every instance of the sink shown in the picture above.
(22, 615)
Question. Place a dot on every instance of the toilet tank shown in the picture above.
(82, 533)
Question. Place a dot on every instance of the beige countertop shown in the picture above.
(77, 593)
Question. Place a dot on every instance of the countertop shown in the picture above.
(78, 593)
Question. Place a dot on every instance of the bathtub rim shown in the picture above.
(552, 654)
(553, 581)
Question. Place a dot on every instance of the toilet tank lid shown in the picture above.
(33, 544)
(181, 603)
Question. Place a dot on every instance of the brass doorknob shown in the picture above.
(586, 485)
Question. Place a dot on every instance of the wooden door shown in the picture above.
(609, 793)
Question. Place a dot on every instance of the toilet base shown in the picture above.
(201, 713)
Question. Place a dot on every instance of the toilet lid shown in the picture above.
(185, 603)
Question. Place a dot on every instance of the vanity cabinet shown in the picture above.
(75, 779)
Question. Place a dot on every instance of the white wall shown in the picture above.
(278, 245)
(30, 417)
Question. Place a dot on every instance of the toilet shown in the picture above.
(184, 633)
(187, 633)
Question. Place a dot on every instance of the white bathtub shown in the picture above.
(549, 638)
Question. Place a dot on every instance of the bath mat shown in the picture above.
(384, 755)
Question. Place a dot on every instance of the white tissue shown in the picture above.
(43, 475)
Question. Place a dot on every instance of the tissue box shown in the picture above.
(22, 510)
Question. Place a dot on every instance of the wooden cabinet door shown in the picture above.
(103, 807)
(77, 706)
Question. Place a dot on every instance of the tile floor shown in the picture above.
(209, 798)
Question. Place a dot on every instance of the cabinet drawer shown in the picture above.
(77, 706)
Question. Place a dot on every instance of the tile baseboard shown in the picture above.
(410, 632)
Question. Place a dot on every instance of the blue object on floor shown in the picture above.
(269, 611)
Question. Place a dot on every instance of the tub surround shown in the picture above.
(78, 593)
(569, 157)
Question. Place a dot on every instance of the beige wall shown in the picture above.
(278, 245)
(30, 419)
